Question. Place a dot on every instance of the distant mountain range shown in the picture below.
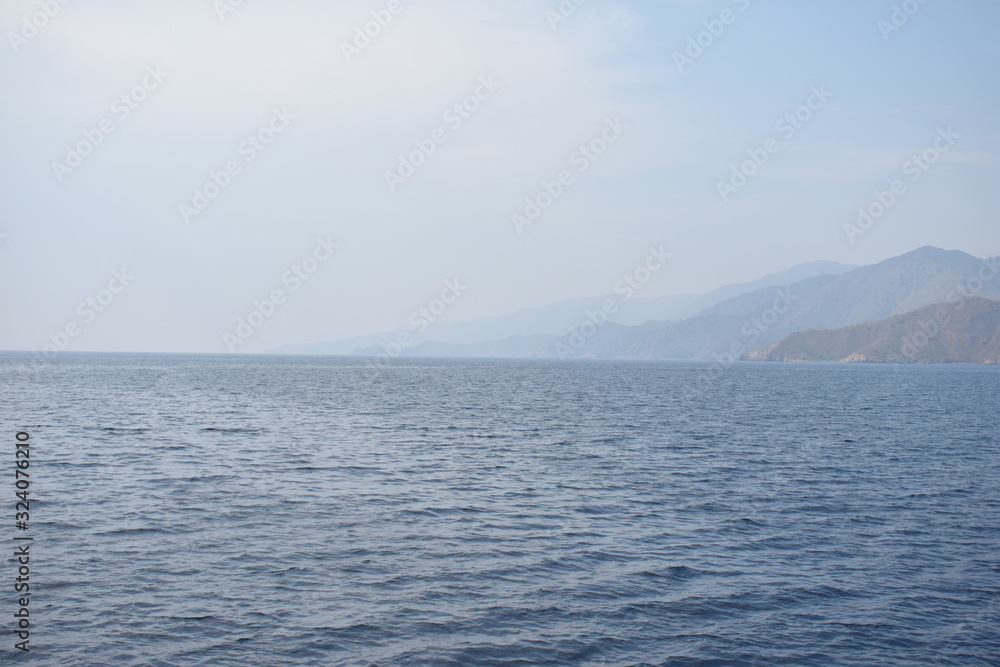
(545, 324)
(965, 331)
(727, 323)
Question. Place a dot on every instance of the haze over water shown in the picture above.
(290, 510)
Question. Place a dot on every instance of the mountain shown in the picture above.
(870, 293)
(556, 319)
(791, 276)
(898, 285)
(724, 326)
(552, 320)
(964, 331)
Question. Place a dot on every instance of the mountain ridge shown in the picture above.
(952, 332)
(727, 327)
(556, 318)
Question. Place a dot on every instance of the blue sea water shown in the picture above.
(236, 510)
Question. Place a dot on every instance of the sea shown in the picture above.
(281, 510)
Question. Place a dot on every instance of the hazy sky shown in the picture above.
(309, 130)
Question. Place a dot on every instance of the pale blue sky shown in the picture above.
(324, 175)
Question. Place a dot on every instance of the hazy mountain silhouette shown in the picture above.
(724, 324)
(898, 285)
(553, 320)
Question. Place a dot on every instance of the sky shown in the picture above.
(170, 168)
